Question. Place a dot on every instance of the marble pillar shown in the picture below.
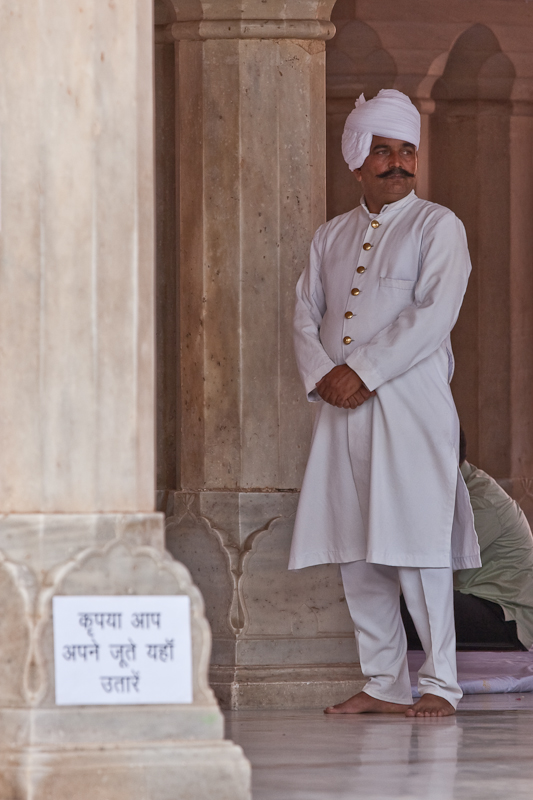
(77, 410)
(521, 303)
(251, 144)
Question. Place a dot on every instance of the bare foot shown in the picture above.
(430, 705)
(362, 703)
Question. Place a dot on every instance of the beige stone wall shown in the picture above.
(467, 66)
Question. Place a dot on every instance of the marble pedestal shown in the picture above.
(159, 752)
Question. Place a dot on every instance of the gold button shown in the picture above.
(375, 223)
(347, 339)
(348, 315)
(355, 292)
(367, 246)
(360, 270)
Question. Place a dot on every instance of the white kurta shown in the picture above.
(382, 482)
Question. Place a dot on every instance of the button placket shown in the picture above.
(355, 292)
(368, 245)
(361, 269)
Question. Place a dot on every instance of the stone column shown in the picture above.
(521, 300)
(251, 145)
(472, 121)
(76, 406)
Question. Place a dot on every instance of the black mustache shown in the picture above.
(396, 171)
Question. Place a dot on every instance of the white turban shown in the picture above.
(390, 114)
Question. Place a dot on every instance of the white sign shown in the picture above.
(122, 650)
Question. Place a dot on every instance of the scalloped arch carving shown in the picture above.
(476, 69)
(120, 569)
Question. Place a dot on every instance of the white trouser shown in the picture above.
(373, 596)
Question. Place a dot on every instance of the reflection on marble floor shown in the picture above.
(484, 753)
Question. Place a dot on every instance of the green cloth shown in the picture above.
(506, 544)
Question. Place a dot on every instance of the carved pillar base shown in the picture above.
(308, 686)
(280, 639)
(121, 752)
(125, 773)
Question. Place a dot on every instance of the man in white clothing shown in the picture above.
(383, 495)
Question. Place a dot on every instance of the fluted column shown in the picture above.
(252, 173)
(251, 145)
(77, 406)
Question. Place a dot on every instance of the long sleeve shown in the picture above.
(421, 328)
(313, 361)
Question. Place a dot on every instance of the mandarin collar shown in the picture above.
(392, 207)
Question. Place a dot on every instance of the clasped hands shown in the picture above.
(342, 387)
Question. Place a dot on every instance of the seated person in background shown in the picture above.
(493, 604)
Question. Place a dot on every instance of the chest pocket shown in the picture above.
(396, 283)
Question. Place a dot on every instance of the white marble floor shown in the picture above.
(484, 753)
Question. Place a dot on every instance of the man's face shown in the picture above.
(388, 173)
